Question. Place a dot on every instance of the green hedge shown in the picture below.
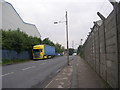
(18, 41)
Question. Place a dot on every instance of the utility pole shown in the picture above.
(73, 44)
(67, 39)
(66, 21)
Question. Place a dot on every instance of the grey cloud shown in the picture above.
(43, 13)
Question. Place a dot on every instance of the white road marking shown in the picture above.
(28, 68)
(49, 84)
(58, 70)
(7, 74)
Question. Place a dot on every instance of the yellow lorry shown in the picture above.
(43, 51)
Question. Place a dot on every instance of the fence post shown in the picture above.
(103, 19)
(97, 27)
(115, 6)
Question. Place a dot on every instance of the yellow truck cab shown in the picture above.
(38, 52)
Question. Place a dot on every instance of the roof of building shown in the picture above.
(3, 1)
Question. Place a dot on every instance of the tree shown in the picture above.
(48, 42)
(80, 50)
(71, 51)
(18, 41)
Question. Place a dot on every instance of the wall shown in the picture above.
(102, 48)
(118, 22)
(0, 27)
(12, 20)
(111, 50)
(0, 45)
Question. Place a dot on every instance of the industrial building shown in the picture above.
(10, 19)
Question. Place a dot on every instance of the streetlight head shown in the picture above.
(55, 22)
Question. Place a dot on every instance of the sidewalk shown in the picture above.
(77, 75)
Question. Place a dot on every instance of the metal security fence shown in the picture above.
(12, 55)
(102, 47)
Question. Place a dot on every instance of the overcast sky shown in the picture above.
(81, 14)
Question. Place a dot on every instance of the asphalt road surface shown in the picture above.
(32, 74)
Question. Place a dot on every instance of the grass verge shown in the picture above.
(13, 61)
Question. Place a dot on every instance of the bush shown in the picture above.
(80, 51)
(18, 41)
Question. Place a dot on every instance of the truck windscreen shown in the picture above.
(37, 50)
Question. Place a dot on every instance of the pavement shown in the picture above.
(77, 75)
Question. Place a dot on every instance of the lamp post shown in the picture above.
(66, 21)
(81, 41)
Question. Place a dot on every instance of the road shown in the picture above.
(32, 74)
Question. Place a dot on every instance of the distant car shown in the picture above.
(59, 54)
(74, 54)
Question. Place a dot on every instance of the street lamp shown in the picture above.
(66, 17)
(81, 41)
